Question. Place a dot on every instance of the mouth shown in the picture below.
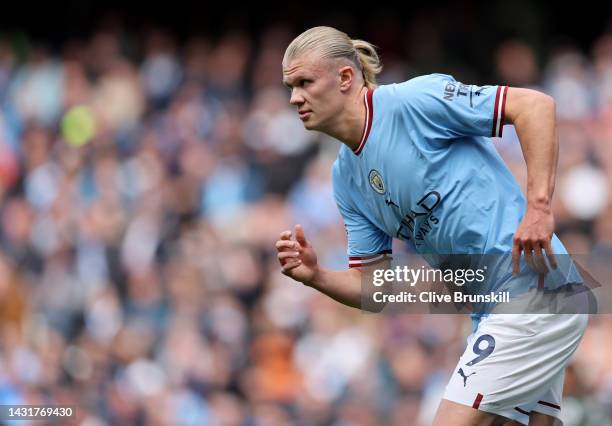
(304, 115)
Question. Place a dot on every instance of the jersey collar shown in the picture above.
(367, 99)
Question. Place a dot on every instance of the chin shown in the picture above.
(309, 125)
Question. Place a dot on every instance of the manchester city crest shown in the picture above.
(376, 181)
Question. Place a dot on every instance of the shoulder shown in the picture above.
(415, 90)
(344, 163)
(338, 166)
(340, 175)
(422, 83)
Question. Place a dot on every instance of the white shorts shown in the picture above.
(515, 364)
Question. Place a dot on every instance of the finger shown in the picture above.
(539, 259)
(550, 255)
(284, 255)
(528, 249)
(516, 256)
(290, 265)
(282, 245)
(285, 235)
(300, 236)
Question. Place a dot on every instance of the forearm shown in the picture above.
(351, 287)
(535, 125)
(342, 286)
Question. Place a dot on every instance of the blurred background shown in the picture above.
(148, 161)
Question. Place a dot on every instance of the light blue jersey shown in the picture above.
(426, 172)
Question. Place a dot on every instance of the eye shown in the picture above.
(299, 83)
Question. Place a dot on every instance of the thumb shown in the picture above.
(300, 237)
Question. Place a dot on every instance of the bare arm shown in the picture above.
(342, 286)
(533, 116)
(299, 261)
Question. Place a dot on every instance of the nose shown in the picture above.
(296, 97)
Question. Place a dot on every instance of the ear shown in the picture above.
(347, 76)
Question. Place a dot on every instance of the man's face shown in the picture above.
(314, 90)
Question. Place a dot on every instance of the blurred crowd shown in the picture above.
(143, 183)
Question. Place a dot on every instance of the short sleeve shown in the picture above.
(446, 108)
(367, 245)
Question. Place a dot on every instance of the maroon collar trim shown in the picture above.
(367, 99)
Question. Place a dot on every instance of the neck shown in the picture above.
(349, 124)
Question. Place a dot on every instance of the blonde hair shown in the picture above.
(331, 43)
